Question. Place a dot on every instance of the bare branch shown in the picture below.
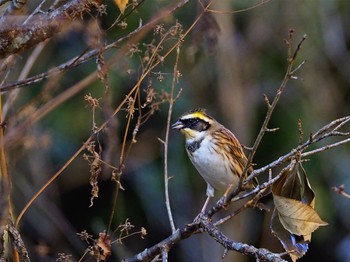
(298, 48)
(335, 125)
(166, 142)
(16, 38)
(341, 191)
(258, 253)
(298, 67)
(326, 147)
(13, 8)
(149, 253)
(202, 221)
(271, 106)
(134, 35)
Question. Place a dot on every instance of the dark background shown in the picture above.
(229, 79)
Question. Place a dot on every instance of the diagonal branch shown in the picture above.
(149, 253)
(225, 200)
(88, 55)
(16, 38)
(202, 223)
(259, 253)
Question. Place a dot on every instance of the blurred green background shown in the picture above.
(226, 71)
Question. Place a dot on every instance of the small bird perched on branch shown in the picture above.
(213, 150)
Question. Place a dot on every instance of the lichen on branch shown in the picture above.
(16, 36)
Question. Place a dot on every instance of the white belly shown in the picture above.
(213, 167)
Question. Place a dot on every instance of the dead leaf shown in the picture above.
(308, 196)
(296, 217)
(121, 4)
(102, 247)
(297, 246)
(278, 185)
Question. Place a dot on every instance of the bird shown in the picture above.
(214, 151)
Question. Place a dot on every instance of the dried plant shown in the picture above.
(148, 60)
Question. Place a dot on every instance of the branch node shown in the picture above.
(266, 99)
(272, 129)
(225, 253)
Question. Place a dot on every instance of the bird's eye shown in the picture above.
(191, 122)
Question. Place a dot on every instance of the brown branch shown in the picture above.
(134, 35)
(259, 253)
(166, 142)
(149, 253)
(202, 223)
(271, 107)
(15, 7)
(225, 200)
(21, 253)
(329, 130)
(15, 38)
(341, 191)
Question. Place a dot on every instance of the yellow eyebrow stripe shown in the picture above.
(198, 115)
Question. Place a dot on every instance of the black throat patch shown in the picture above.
(191, 147)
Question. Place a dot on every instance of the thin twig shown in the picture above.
(341, 191)
(268, 183)
(102, 126)
(36, 11)
(24, 73)
(149, 253)
(166, 141)
(202, 221)
(133, 36)
(198, 227)
(239, 10)
(223, 201)
(20, 38)
(326, 147)
(272, 106)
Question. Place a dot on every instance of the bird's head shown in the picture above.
(194, 124)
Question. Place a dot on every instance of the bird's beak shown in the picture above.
(178, 125)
